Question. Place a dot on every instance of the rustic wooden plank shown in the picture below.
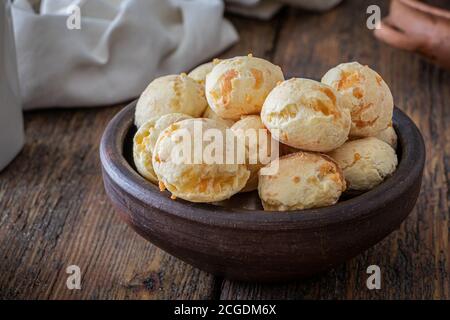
(415, 260)
(255, 36)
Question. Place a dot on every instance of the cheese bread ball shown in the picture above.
(389, 136)
(145, 139)
(365, 162)
(199, 74)
(170, 94)
(251, 129)
(210, 114)
(366, 95)
(195, 181)
(239, 86)
(306, 114)
(303, 180)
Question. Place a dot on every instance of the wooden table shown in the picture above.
(54, 212)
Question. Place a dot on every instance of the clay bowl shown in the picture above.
(236, 239)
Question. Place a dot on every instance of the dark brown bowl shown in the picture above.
(236, 239)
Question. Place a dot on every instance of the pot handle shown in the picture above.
(391, 35)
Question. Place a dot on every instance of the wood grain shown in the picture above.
(54, 213)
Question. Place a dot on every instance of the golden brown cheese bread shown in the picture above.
(389, 136)
(145, 139)
(210, 114)
(170, 94)
(258, 143)
(303, 180)
(239, 86)
(199, 73)
(201, 181)
(306, 114)
(366, 95)
(365, 162)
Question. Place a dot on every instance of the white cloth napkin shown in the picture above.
(121, 47)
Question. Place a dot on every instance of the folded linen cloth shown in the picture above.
(266, 9)
(122, 44)
(260, 9)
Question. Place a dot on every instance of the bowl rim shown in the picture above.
(117, 168)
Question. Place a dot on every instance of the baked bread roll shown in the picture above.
(258, 143)
(201, 181)
(145, 139)
(366, 95)
(389, 136)
(303, 180)
(239, 86)
(170, 94)
(365, 162)
(210, 114)
(306, 114)
(199, 73)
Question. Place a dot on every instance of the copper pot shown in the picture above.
(416, 26)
